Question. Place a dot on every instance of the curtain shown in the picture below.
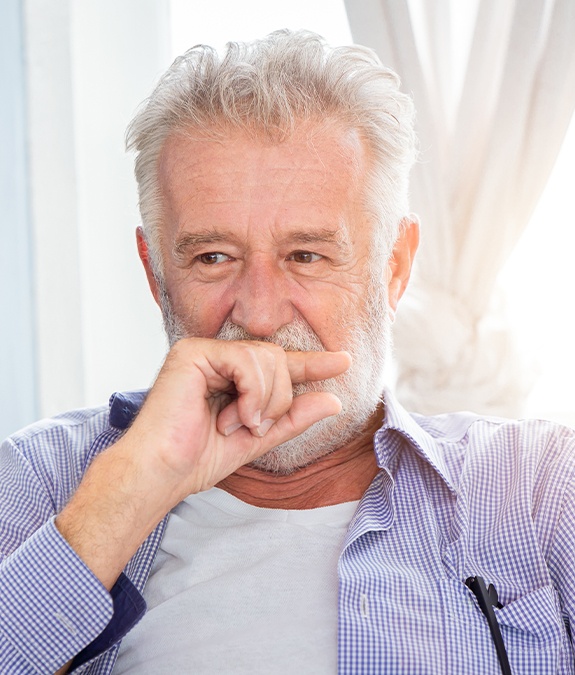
(484, 163)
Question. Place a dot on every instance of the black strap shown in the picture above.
(487, 597)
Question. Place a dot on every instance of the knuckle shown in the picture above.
(265, 352)
(183, 345)
(276, 353)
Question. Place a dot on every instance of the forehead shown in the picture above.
(316, 174)
(309, 142)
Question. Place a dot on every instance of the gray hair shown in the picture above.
(267, 87)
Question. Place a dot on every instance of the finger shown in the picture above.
(275, 398)
(303, 366)
(252, 400)
(281, 396)
(228, 420)
(275, 403)
(306, 410)
(253, 368)
(311, 366)
(246, 366)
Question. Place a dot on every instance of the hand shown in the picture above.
(217, 405)
(186, 438)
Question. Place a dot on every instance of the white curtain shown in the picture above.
(86, 70)
(483, 166)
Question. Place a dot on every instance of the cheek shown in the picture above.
(332, 317)
(201, 311)
(352, 310)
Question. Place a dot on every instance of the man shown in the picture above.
(277, 512)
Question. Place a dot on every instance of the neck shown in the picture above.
(341, 476)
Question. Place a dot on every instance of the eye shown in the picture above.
(304, 257)
(212, 258)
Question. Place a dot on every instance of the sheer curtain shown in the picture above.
(86, 69)
(484, 163)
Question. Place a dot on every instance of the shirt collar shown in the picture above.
(399, 421)
(124, 406)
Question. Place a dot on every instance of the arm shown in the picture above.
(51, 605)
(202, 420)
(563, 547)
(181, 443)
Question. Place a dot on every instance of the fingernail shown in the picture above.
(257, 418)
(230, 430)
(264, 427)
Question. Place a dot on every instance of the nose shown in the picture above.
(262, 304)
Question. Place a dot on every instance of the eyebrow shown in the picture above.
(191, 240)
(324, 235)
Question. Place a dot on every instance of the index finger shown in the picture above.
(311, 366)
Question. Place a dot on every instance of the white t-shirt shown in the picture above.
(241, 589)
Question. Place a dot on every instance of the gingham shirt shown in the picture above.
(456, 496)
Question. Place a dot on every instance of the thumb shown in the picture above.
(306, 410)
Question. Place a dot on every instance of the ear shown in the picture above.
(144, 254)
(401, 260)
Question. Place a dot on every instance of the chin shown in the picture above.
(321, 439)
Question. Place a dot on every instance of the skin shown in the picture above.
(259, 233)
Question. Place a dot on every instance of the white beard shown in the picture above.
(359, 389)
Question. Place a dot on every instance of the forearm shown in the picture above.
(55, 578)
(118, 504)
(180, 442)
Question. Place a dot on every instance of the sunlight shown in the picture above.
(195, 22)
(538, 278)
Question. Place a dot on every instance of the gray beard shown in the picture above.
(359, 389)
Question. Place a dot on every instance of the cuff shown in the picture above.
(51, 605)
(129, 608)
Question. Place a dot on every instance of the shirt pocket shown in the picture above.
(532, 628)
(534, 633)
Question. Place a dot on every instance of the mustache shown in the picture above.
(296, 336)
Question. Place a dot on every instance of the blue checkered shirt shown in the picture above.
(456, 496)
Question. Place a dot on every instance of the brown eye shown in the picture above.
(304, 257)
(212, 258)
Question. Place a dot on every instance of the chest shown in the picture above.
(403, 603)
(241, 593)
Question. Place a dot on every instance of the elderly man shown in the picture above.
(267, 504)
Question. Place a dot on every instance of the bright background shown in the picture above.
(539, 279)
(86, 64)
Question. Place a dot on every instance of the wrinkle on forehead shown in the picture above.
(316, 167)
(349, 139)
(351, 149)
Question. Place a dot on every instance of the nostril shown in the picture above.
(262, 316)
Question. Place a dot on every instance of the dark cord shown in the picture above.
(487, 597)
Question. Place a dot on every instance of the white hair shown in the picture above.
(267, 87)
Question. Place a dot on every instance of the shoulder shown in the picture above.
(487, 451)
(480, 435)
(54, 453)
(77, 431)
(531, 459)
(62, 433)
(70, 422)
